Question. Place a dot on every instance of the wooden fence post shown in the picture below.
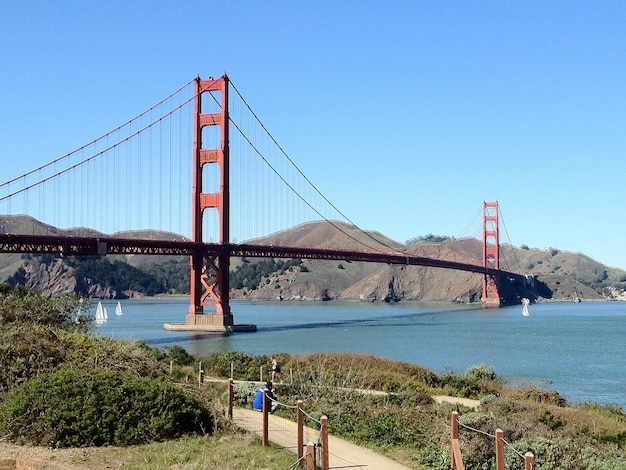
(310, 456)
(231, 396)
(324, 432)
(266, 421)
(455, 453)
(499, 449)
(529, 461)
(300, 430)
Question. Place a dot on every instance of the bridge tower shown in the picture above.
(491, 254)
(209, 270)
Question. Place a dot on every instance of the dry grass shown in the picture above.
(227, 452)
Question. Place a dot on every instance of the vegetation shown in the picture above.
(78, 407)
(62, 387)
(406, 424)
(560, 275)
(117, 275)
(89, 271)
(172, 275)
(249, 275)
(430, 238)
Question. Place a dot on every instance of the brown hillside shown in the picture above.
(560, 274)
(330, 235)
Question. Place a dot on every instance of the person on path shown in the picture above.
(272, 404)
(275, 370)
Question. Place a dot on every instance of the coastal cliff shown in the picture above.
(556, 274)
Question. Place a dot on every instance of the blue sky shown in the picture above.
(407, 115)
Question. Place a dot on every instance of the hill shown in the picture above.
(559, 274)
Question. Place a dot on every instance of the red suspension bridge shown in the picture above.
(128, 193)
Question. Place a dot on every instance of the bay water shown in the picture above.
(576, 349)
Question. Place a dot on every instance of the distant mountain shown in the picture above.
(113, 276)
(559, 275)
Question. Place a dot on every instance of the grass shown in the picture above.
(406, 425)
(229, 452)
(402, 422)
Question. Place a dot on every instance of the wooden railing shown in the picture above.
(313, 450)
(457, 458)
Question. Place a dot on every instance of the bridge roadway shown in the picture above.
(84, 246)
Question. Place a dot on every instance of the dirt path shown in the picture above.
(45, 458)
(341, 454)
(463, 401)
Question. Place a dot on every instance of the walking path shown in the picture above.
(341, 454)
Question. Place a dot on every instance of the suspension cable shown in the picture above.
(93, 142)
(88, 159)
(509, 240)
(308, 181)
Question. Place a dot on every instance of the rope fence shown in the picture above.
(311, 443)
(500, 442)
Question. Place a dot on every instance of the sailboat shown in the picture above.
(101, 313)
(118, 308)
(525, 303)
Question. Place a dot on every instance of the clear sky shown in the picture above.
(407, 115)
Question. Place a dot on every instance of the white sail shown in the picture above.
(118, 309)
(101, 313)
(525, 303)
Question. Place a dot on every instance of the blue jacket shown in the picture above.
(257, 404)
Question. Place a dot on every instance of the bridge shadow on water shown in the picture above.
(183, 339)
(366, 322)
(369, 322)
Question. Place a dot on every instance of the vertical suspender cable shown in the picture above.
(160, 186)
(169, 199)
(151, 177)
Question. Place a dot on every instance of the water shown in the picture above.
(576, 349)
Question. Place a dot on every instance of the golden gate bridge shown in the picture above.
(128, 192)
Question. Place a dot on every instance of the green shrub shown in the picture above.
(179, 356)
(244, 367)
(481, 372)
(244, 393)
(76, 407)
(133, 357)
(19, 305)
(25, 351)
(551, 421)
(539, 396)
(475, 382)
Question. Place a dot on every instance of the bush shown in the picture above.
(25, 351)
(20, 305)
(244, 367)
(179, 356)
(76, 408)
(481, 373)
(539, 396)
(475, 382)
(244, 393)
